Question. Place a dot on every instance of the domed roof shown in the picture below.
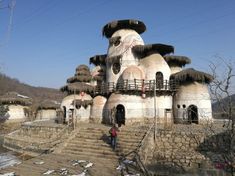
(132, 72)
(99, 101)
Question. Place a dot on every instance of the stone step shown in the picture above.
(101, 143)
(89, 154)
(106, 150)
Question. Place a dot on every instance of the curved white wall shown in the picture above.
(97, 108)
(133, 106)
(82, 113)
(153, 64)
(129, 38)
(193, 94)
(163, 105)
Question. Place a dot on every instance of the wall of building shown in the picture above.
(16, 112)
(129, 38)
(193, 94)
(97, 108)
(133, 105)
(46, 114)
(153, 64)
(163, 108)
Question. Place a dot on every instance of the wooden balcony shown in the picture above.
(138, 86)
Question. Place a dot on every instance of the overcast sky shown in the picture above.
(43, 41)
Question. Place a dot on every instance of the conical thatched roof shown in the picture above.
(79, 78)
(48, 104)
(114, 59)
(98, 59)
(146, 50)
(177, 60)
(83, 103)
(191, 75)
(82, 67)
(82, 74)
(114, 26)
(15, 98)
(77, 87)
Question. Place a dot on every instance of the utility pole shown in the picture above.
(155, 111)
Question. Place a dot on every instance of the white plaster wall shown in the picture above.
(98, 107)
(153, 64)
(175, 69)
(16, 112)
(133, 106)
(46, 114)
(193, 94)
(81, 113)
(162, 103)
(129, 38)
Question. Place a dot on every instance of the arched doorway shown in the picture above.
(159, 80)
(193, 114)
(64, 114)
(120, 115)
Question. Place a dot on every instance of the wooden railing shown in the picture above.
(140, 85)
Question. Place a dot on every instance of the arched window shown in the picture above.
(159, 80)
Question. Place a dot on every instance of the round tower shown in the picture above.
(122, 35)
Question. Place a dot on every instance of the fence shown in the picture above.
(139, 85)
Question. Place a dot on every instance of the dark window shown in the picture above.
(178, 106)
(159, 80)
(184, 106)
(116, 68)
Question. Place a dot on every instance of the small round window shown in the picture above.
(116, 68)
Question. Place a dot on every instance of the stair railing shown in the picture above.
(138, 164)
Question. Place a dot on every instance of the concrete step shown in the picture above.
(85, 154)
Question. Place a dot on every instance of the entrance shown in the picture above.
(120, 115)
(193, 114)
(64, 114)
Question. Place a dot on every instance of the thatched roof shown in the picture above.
(82, 67)
(77, 87)
(146, 50)
(191, 75)
(83, 103)
(48, 104)
(177, 60)
(79, 78)
(15, 98)
(98, 59)
(114, 59)
(114, 26)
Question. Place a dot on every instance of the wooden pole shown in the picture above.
(155, 112)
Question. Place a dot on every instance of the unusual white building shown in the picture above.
(18, 107)
(137, 82)
(47, 109)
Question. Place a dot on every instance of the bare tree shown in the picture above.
(221, 90)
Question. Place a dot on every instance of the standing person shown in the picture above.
(113, 133)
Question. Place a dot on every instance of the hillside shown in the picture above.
(217, 107)
(38, 94)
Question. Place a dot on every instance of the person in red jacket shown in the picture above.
(113, 134)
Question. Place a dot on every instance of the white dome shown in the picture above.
(132, 72)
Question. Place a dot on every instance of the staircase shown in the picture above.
(89, 142)
(93, 140)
